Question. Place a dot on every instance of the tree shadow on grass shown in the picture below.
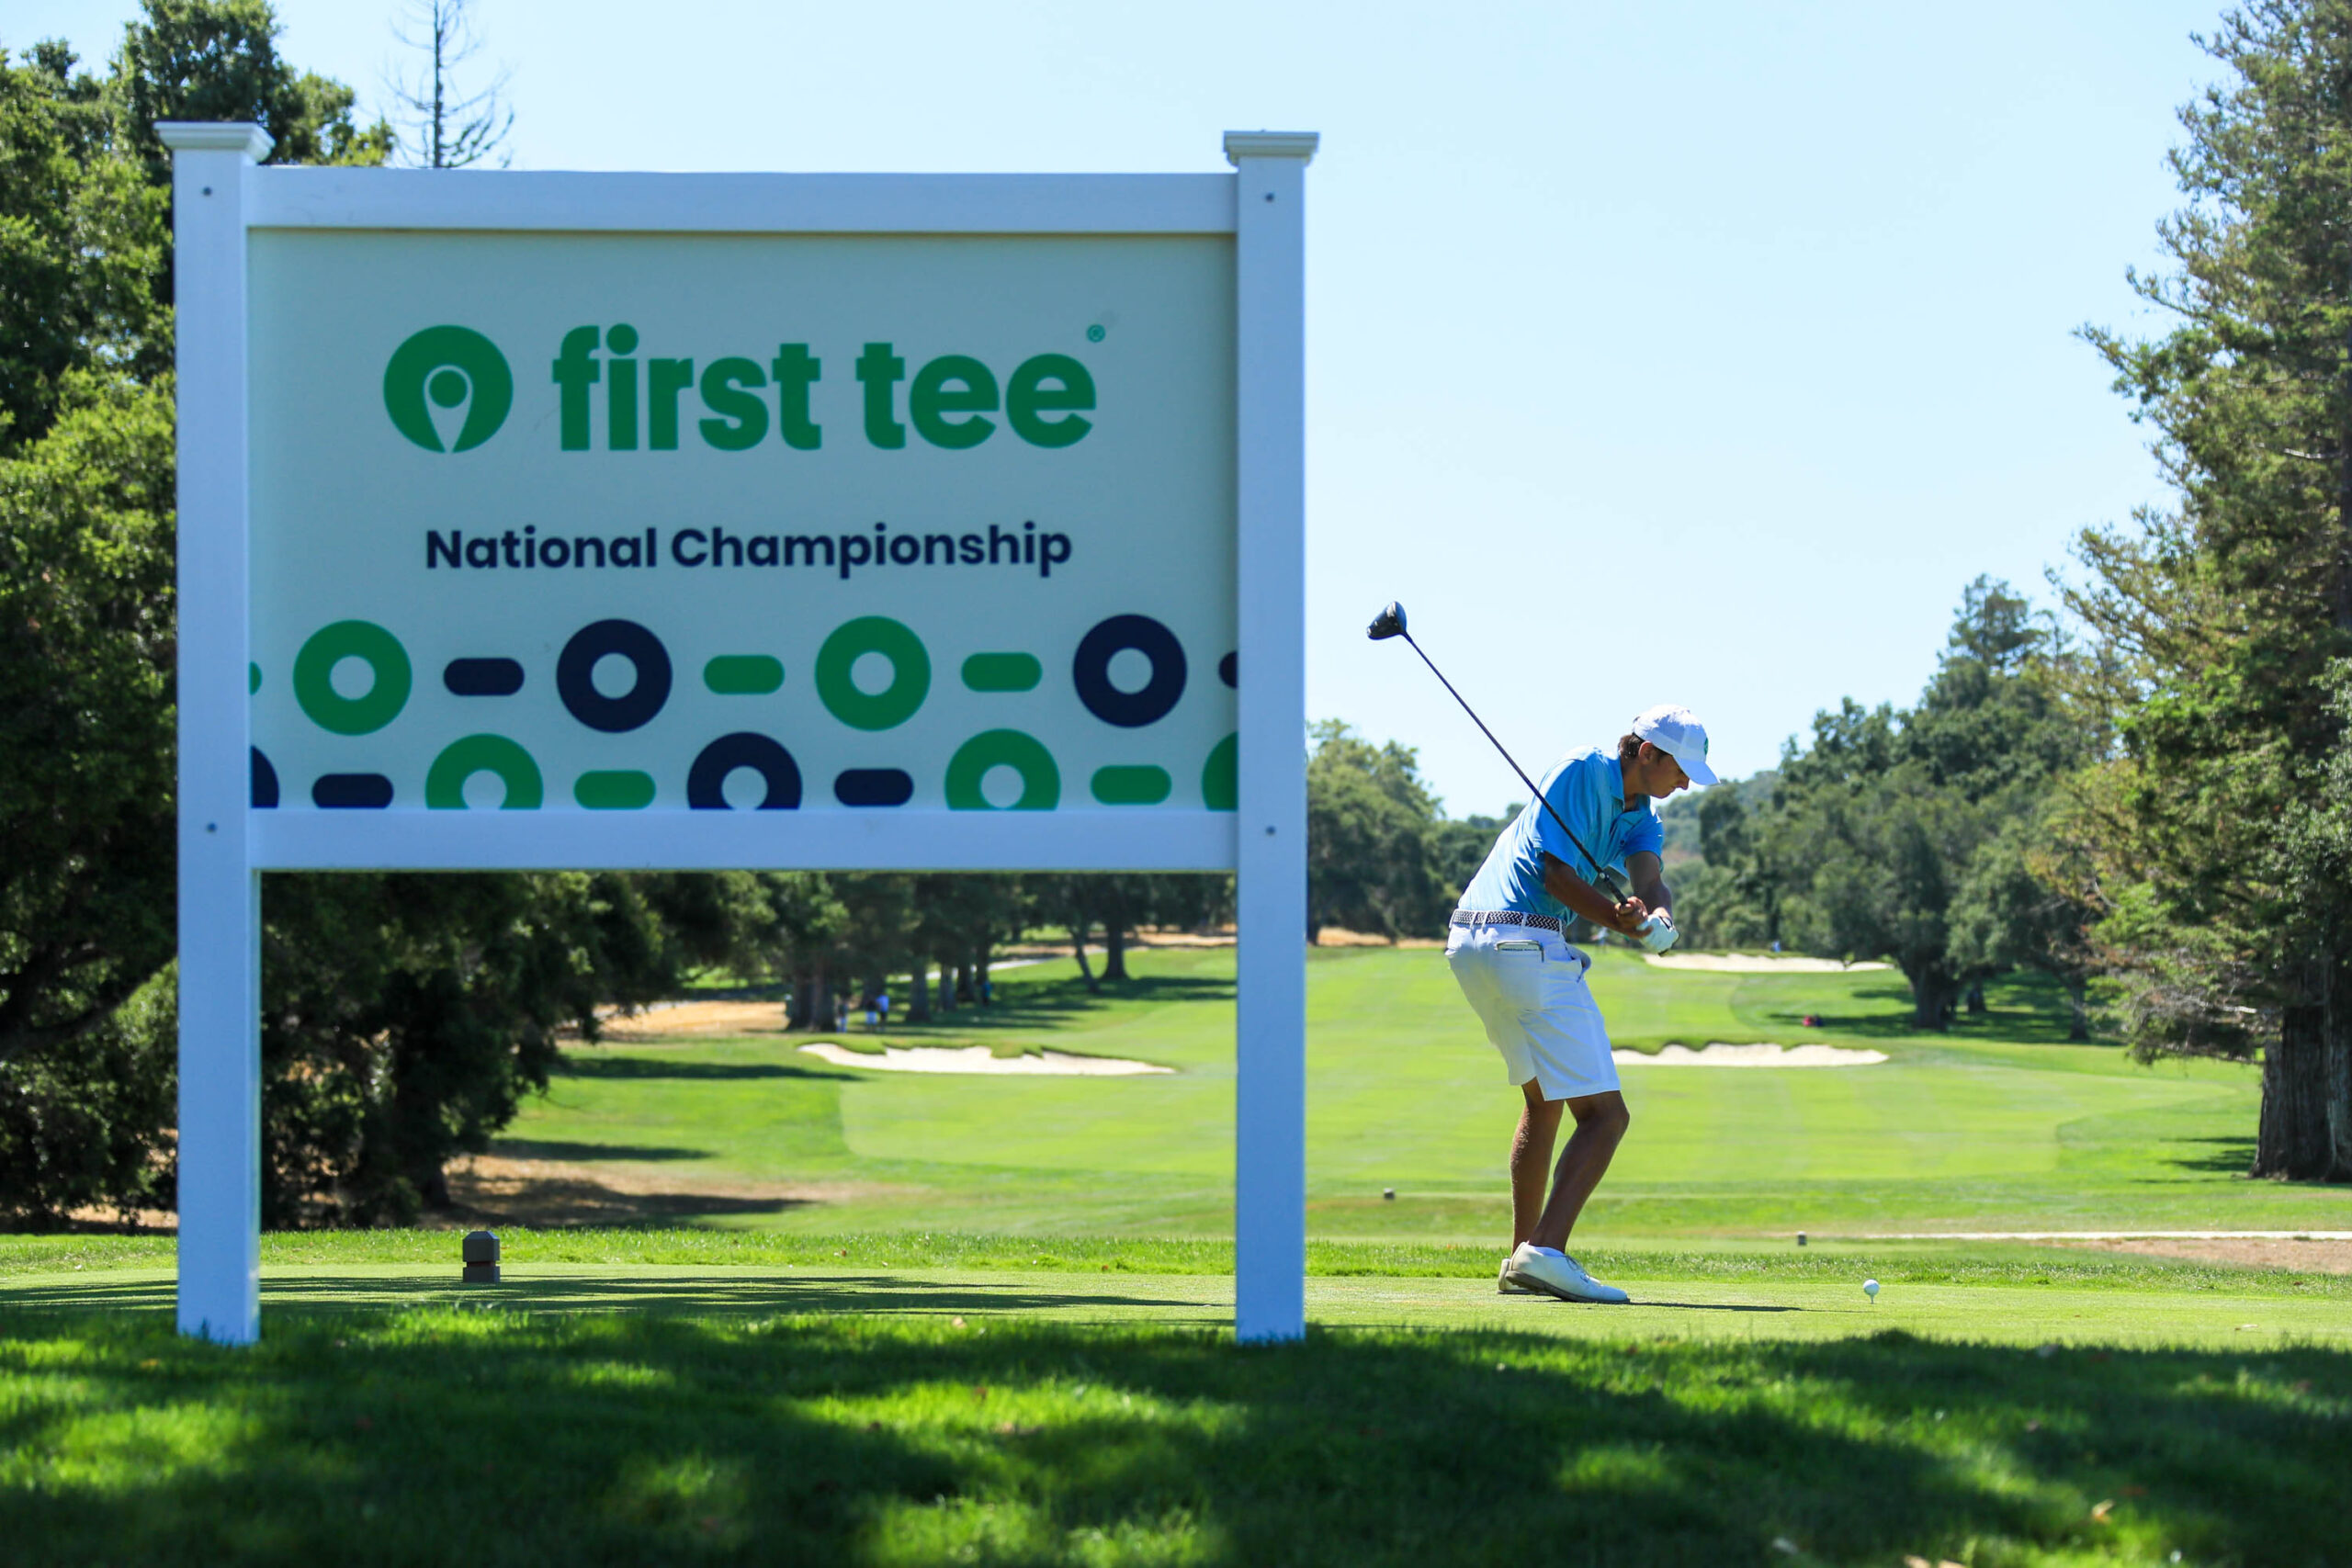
(2030, 1010)
(635, 1436)
(551, 1148)
(1033, 1006)
(2225, 1156)
(671, 1291)
(578, 1063)
(565, 1200)
(1044, 1004)
(1997, 1026)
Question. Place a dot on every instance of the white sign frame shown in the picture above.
(221, 194)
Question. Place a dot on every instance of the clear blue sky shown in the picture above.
(1696, 352)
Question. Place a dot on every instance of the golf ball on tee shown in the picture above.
(1870, 1289)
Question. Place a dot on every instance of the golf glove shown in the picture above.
(1658, 932)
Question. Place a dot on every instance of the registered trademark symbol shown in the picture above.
(1094, 334)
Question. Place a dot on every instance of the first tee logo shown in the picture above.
(454, 370)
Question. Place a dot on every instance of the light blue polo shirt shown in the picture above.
(1588, 789)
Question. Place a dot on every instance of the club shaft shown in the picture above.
(1605, 880)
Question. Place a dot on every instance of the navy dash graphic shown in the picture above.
(482, 677)
(352, 791)
(874, 786)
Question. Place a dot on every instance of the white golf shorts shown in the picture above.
(1527, 987)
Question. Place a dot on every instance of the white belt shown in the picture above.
(1504, 917)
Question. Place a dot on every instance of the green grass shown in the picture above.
(1671, 1297)
(442, 1435)
(47, 1264)
(1999, 1125)
(869, 1318)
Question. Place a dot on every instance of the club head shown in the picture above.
(1387, 623)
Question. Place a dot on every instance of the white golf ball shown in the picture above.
(1870, 1289)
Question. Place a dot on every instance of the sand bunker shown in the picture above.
(977, 1059)
(1757, 963)
(1719, 1055)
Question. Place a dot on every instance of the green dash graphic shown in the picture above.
(1138, 786)
(743, 674)
(1002, 672)
(613, 789)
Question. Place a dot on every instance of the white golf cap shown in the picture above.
(1678, 732)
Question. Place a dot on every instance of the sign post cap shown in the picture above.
(215, 136)
(1298, 145)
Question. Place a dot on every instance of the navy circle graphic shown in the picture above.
(639, 702)
(1091, 671)
(706, 780)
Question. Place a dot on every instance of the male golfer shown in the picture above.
(1508, 950)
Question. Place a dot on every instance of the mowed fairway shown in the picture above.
(1998, 1126)
(1978, 1294)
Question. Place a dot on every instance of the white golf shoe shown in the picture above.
(1507, 1286)
(1557, 1274)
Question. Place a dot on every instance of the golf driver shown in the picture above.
(1390, 622)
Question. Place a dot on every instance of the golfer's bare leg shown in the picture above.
(1531, 1160)
(1601, 1121)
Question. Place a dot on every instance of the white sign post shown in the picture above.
(696, 522)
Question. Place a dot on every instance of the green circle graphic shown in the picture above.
(445, 783)
(328, 646)
(1221, 776)
(909, 673)
(1040, 782)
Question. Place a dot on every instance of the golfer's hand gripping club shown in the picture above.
(1657, 933)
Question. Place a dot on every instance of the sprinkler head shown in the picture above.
(1387, 623)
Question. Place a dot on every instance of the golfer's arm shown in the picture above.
(1576, 893)
(1648, 872)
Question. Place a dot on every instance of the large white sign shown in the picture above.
(705, 521)
(667, 523)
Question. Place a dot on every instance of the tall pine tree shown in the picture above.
(2226, 617)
